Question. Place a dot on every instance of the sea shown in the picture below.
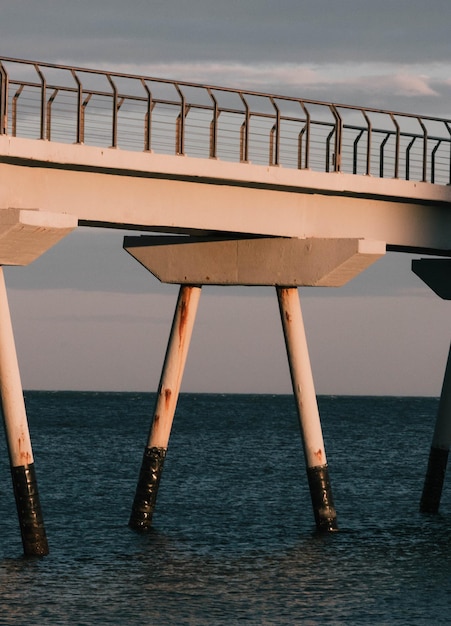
(233, 538)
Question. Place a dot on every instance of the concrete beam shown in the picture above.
(26, 234)
(258, 261)
(436, 273)
(178, 194)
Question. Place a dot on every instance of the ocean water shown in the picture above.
(233, 539)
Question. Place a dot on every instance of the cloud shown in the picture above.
(288, 78)
(405, 84)
(232, 74)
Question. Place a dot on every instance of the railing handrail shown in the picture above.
(334, 148)
(233, 90)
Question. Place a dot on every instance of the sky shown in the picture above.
(87, 316)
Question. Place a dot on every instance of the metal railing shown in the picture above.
(112, 109)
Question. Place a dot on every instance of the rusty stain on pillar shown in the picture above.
(235, 260)
(307, 408)
(25, 234)
(23, 473)
(168, 392)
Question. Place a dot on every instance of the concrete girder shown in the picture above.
(289, 262)
(164, 193)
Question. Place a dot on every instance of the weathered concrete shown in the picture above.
(307, 408)
(166, 403)
(266, 261)
(18, 439)
(24, 236)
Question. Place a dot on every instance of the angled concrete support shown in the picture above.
(436, 273)
(18, 438)
(24, 236)
(307, 407)
(168, 392)
(438, 455)
(274, 261)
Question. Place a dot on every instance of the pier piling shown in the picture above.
(29, 511)
(438, 455)
(168, 392)
(307, 407)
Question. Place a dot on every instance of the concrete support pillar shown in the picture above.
(438, 456)
(307, 407)
(168, 392)
(34, 539)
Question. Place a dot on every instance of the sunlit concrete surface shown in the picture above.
(25, 234)
(260, 261)
(182, 194)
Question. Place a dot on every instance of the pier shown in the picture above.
(228, 187)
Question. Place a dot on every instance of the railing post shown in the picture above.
(306, 129)
(114, 112)
(329, 137)
(355, 151)
(3, 100)
(397, 144)
(244, 133)
(447, 125)
(43, 101)
(180, 129)
(381, 154)
(274, 140)
(338, 143)
(80, 110)
(300, 136)
(213, 152)
(83, 113)
(148, 119)
(408, 149)
(425, 150)
(368, 142)
(49, 114)
(15, 98)
(433, 153)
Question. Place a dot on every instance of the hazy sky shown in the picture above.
(87, 316)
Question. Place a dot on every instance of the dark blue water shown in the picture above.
(233, 538)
